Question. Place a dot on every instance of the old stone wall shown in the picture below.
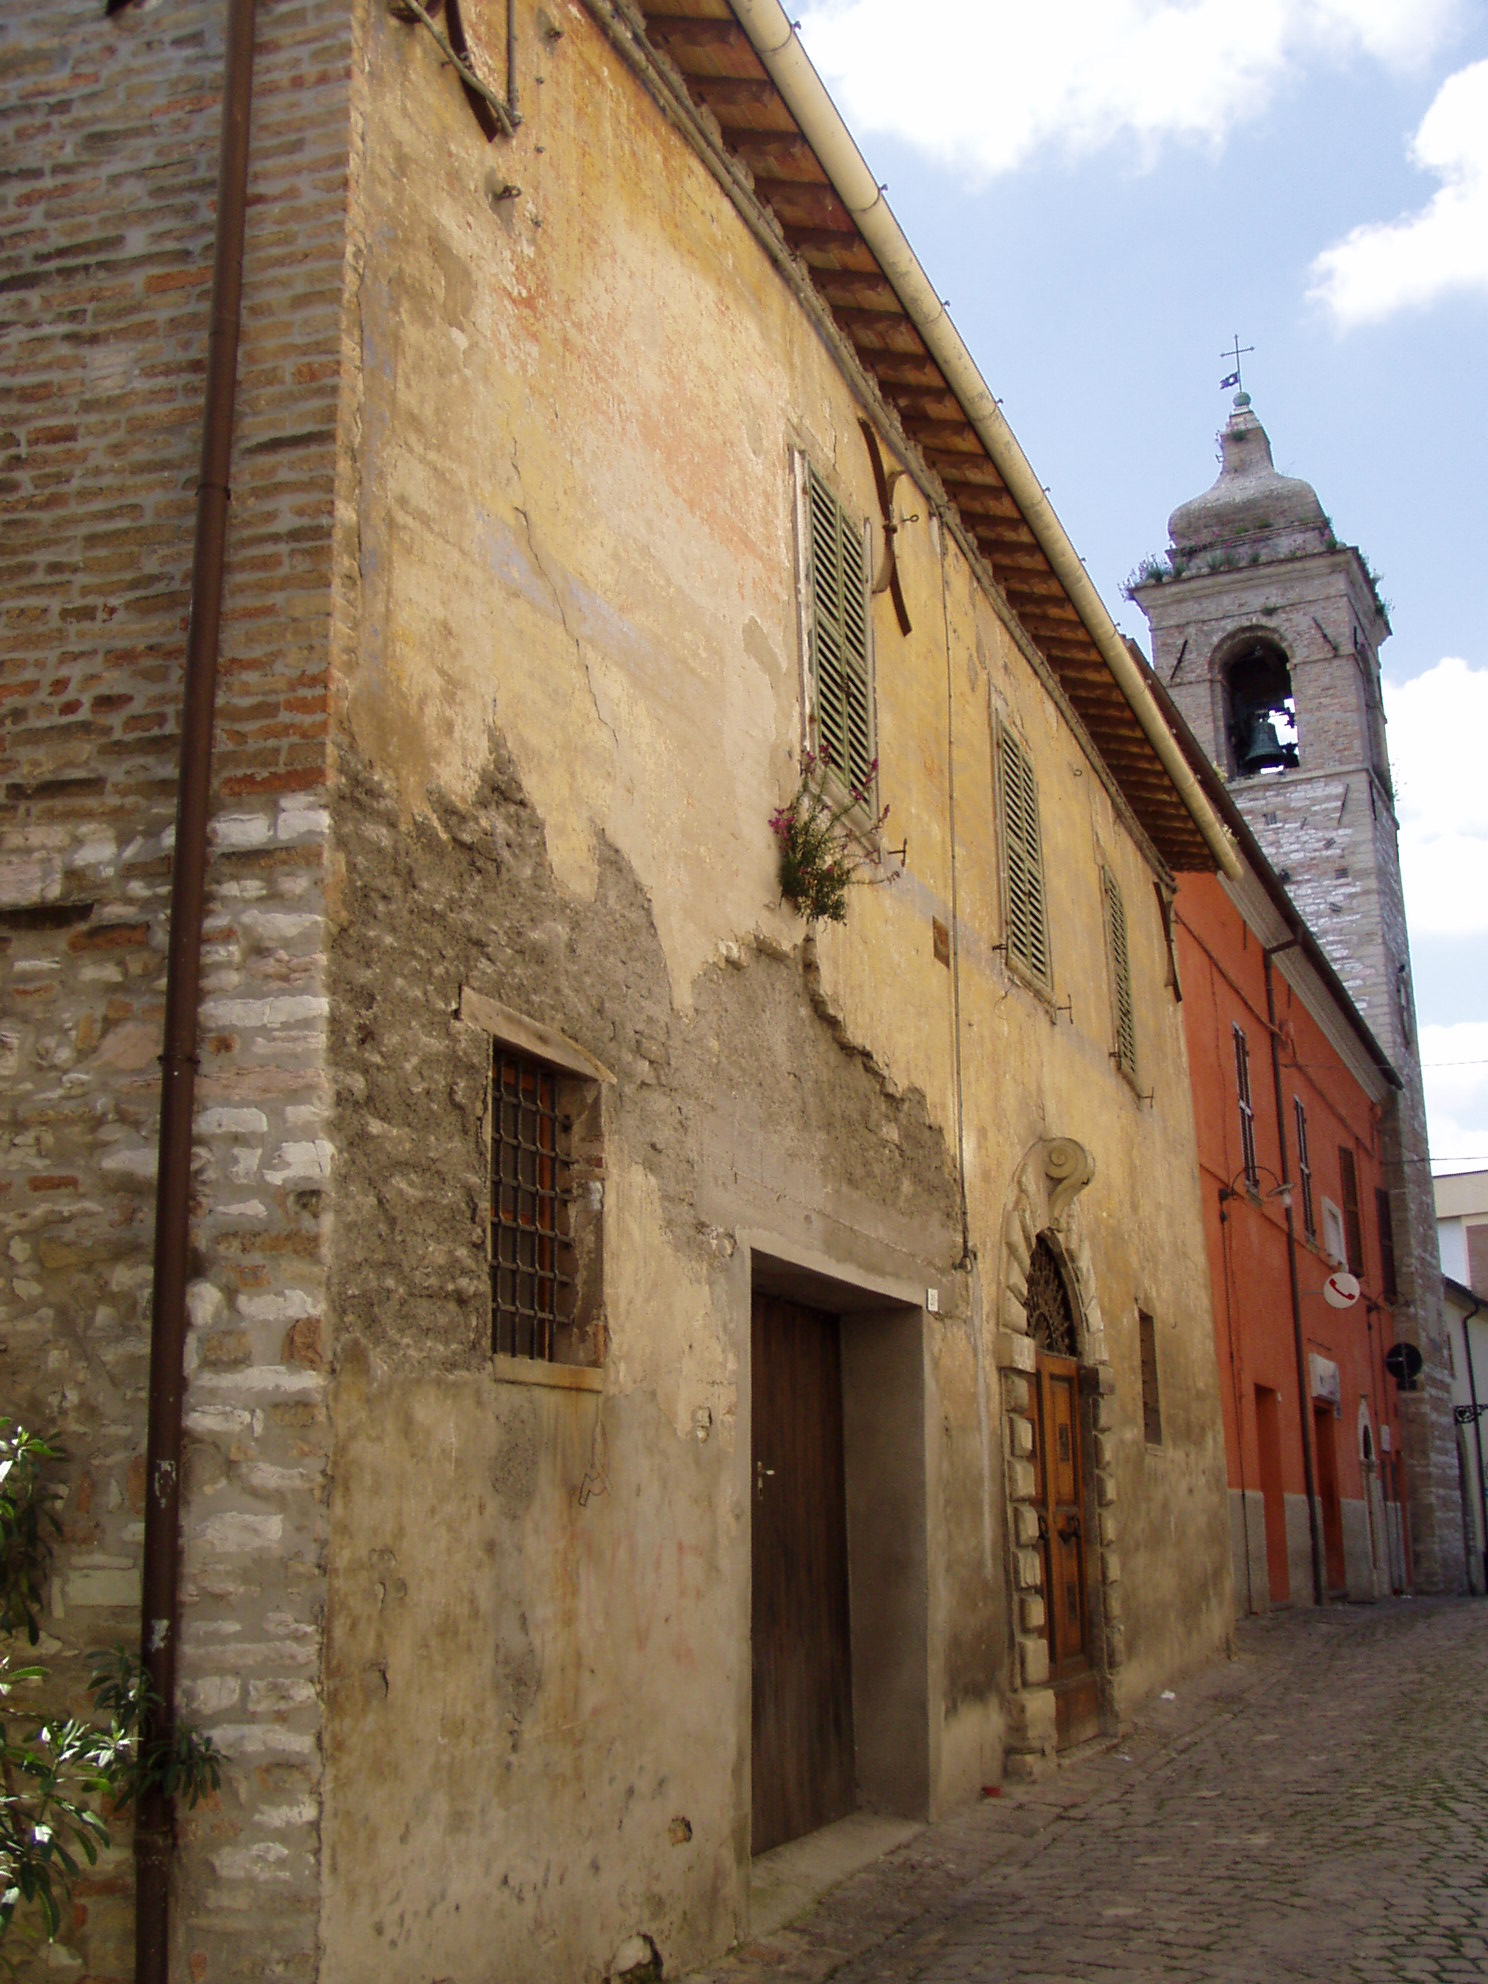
(578, 396)
(106, 197)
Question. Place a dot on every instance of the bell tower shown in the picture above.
(1266, 630)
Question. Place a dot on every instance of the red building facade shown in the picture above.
(1290, 1090)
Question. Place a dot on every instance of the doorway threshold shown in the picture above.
(788, 1880)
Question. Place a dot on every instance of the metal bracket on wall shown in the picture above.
(493, 112)
(1467, 1415)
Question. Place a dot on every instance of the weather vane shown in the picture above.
(1233, 378)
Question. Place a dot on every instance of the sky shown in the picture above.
(1107, 191)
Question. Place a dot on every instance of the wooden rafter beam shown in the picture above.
(777, 155)
(724, 93)
(696, 31)
(799, 204)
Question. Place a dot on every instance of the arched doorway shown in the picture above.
(1061, 1496)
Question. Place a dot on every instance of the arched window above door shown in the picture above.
(1051, 1315)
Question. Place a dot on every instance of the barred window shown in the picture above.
(1247, 1110)
(840, 649)
(545, 1189)
(531, 1251)
(1304, 1171)
(1027, 919)
(1124, 1013)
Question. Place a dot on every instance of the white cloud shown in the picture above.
(1438, 724)
(1455, 1070)
(983, 85)
(1385, 266)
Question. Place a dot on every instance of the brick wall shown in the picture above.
(107, 178)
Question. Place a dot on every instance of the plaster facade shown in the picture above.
(513, 678)
(1255, 565)
(1318, 1491)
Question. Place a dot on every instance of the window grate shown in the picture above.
(1126, 1018)
(531, 1247)
(1023, 860)
(838, 583)
(1304, 1171)
(1247, 1110)
(1051, 1318)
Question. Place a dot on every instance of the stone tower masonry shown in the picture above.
(1267, 630)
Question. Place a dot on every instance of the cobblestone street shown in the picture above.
(1316, 1808)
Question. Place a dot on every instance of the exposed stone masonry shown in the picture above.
(106, 195)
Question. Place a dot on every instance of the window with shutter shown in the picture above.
(1121, 990)
(841, 673)
(1304, 1171)
(1247, 1109)
(1353, 1229)
(1389, 1288)
(1026, 912)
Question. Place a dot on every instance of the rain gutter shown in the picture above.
(154, 1831)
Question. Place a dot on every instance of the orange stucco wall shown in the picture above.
(1223, 974)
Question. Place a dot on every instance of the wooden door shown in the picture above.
(1273, 1493)
(1059, 1476)
(803, 1772)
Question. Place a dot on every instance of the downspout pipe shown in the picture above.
(160, 1607)
(1304, 1396)
(789, 67)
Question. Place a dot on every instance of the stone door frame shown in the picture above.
(1043, 1200)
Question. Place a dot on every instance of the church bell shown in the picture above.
(1257, 746)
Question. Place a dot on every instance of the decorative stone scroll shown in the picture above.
(1043, 1207)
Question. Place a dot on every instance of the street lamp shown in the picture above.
(1278, 1194)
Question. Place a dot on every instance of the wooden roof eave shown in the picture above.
(887, 351)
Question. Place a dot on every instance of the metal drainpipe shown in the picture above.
(1472, 1390)
(159, 1609)
(1304, 1399)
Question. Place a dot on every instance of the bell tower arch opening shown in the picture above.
(1260, 707)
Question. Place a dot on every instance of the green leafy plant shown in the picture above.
(825, 844)
(26, 1528)
(56, 1775)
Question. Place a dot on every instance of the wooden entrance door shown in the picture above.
(1059, 1476)
(803, 1729)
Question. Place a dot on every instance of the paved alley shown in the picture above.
(1316, 1808)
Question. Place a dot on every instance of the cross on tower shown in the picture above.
(1233, 378)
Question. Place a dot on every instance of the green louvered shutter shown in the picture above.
(1126, 1020)
(1023, 860)
(838, 582)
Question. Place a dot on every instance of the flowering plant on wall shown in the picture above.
(825, 843)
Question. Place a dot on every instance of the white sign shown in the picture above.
(1341, 1289)
(1326, 1383)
